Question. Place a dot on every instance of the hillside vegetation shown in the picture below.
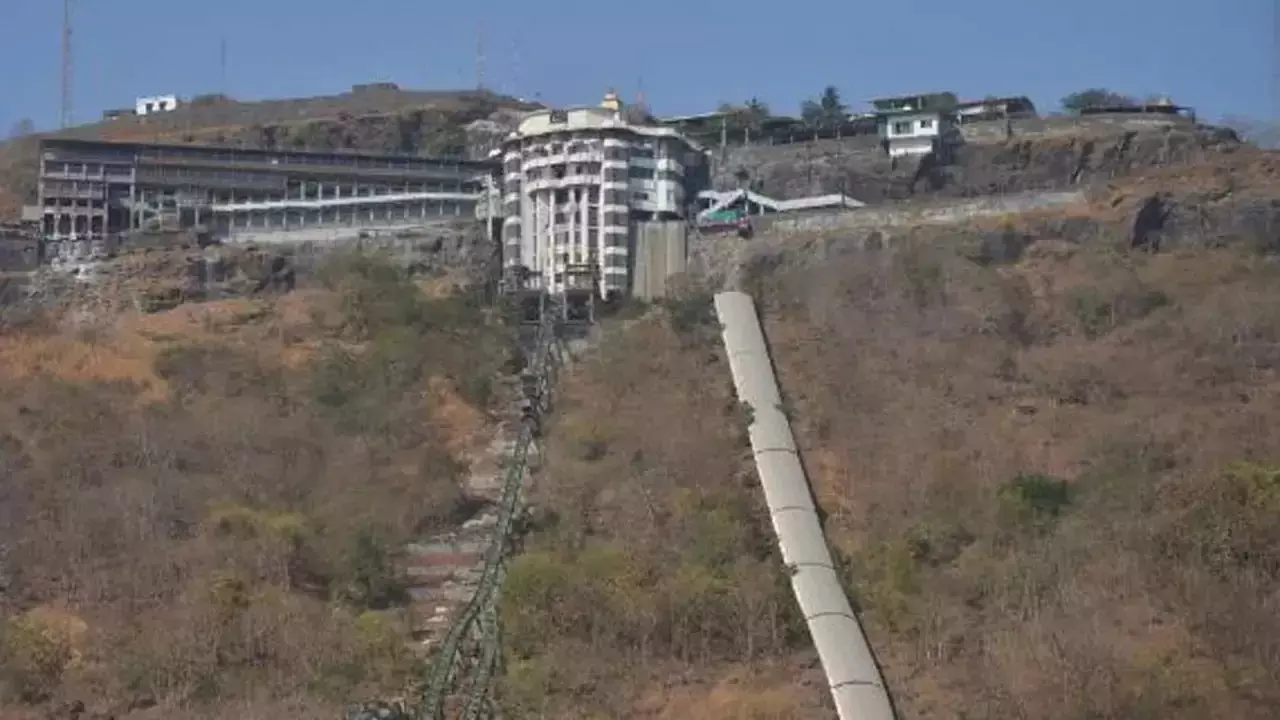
(203, 506)
(650, 586)
(1053, 479)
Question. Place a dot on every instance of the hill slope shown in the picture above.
(1050, 473)
(205, 505)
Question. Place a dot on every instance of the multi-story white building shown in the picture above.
(918, 124)
(575, 182)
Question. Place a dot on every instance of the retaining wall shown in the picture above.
(660, 251)
(914, 213)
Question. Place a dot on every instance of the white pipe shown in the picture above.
(855, 681)
(343, 201)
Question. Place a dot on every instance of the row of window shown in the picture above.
(55, 167)
(513, 233)
(906, 127)
(611, 282)
(644, 148)
(611, 174)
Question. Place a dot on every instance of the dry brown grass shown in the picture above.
(651, 578)
(1055, 485)
(1139, 381)
(203, 506)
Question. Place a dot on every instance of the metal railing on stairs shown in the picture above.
(479, 621)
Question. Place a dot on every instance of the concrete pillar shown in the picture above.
(584, 215)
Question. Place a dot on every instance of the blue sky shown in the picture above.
(686, 58)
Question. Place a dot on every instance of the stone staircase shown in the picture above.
(443, 571)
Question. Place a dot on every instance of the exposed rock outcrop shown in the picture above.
(987, 168)
(1232, 198)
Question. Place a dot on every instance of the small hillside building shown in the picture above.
(915, 132)
(917, 124)
(155, 104)
(995, 108)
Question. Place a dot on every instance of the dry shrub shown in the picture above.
(672, 570)
(1052, 483)
(231, 538)
(1029, 469)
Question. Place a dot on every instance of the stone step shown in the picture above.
(444, 571)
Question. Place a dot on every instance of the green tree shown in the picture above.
(1094, 98)
(827, 110)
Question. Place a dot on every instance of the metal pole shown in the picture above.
(67, 75)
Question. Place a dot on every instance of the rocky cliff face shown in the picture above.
(390, 121)
(1230, 198)
(859, 168)
(467, 132)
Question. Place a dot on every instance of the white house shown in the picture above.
(917, 124)
(917, 132)
(155, 104)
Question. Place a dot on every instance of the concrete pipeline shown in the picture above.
(856, 684)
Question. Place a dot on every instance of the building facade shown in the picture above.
(155, 104)
(575, 183)
(96, 191)
(911, 132)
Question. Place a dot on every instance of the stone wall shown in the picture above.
(20, 248)
(1043, 127)
(810, 237)
(660, 253)
(19, 254)
(917, 213)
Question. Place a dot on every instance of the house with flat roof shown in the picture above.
(994, 108)
(912, 125)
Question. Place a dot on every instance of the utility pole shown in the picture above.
(480, 57)
(222, 66)
(1275, 61)
(67, 76)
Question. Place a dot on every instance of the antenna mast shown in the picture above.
(67, 76)
(1275, 61)
(480, 57)
(222, 64)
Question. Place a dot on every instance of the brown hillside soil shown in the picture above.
(204, 504)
